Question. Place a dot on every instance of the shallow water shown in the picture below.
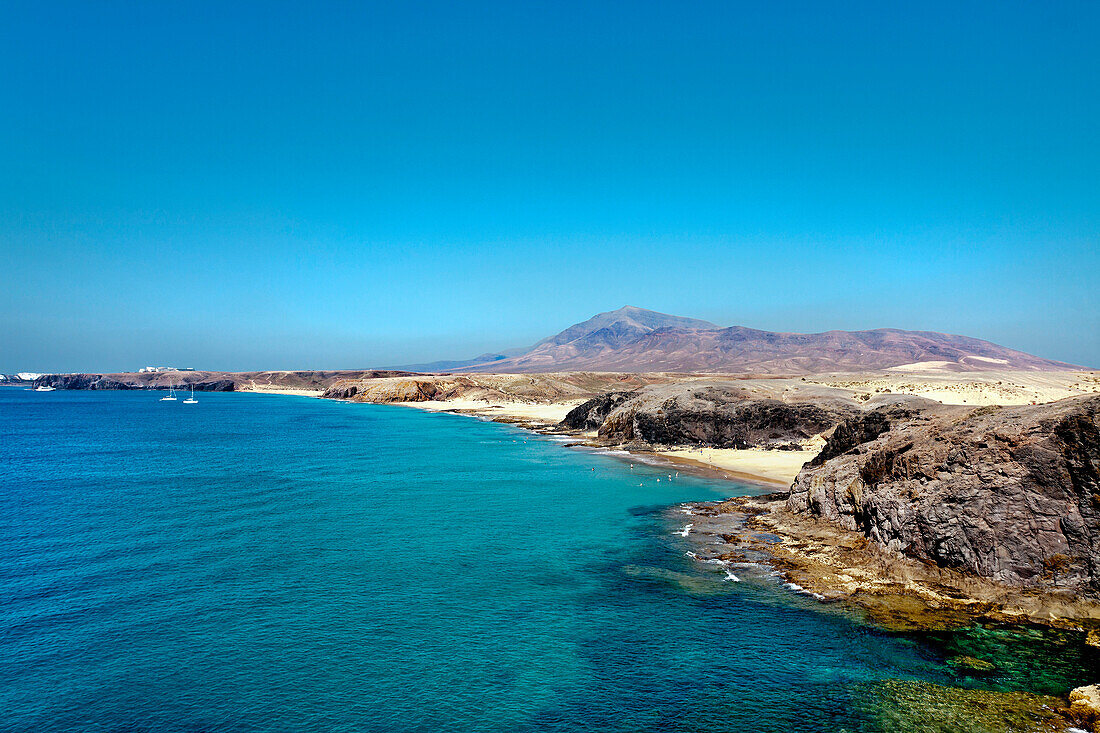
(269, 563)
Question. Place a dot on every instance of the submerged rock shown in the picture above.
(972, 664)
(900, 706)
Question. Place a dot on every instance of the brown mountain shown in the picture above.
(634, 339)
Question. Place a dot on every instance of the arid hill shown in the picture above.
(637, 340)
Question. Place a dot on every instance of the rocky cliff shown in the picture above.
(122, 381)
(1011, 494)
(720, 418)
(211, 381)
(592, 414)
(385, 391)
(487, 388)
(707, 413)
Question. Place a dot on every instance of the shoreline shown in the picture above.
(822, 560)
(898, 593)
(668, 459)
(773, 469)
(543, 418)
(282, 391)
(837, 567)
(812, 554)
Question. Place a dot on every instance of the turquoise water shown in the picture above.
(268, 563)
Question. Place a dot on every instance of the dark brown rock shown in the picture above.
(591, 414)
(1011, 494)
(718, 416)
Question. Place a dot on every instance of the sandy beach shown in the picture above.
(515, 399)
(537, 414)
(772, 467)
(266, 389)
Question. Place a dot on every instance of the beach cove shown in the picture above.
(280, 563)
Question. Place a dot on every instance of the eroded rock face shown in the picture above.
(718, 417)
(854, 432)
(341, 392)
(81, 381)
(1011, 494)
(591, 414)
(208, 381)
(102, 381)
(216, 385)
(399, 390)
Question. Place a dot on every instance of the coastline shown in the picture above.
(539, 416)
(899, 593)
(264, 389)
(804, 549)
(774, 469)
(665, 550)
(765, 468)
(820, 559)
(840, 569)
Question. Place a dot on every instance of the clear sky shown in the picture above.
(319, 185)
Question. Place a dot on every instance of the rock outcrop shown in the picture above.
(81, 381)
(1011, 494)
(1084, 705)
(386, 391)
(108, 381)
(488, 388)
(591, 414)
(212, 381)
(719, 417)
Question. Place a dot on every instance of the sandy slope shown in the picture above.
(973, 388)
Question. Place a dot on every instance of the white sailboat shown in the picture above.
(191, 400)
(171, 396)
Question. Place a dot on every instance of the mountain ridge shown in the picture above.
(632, 339)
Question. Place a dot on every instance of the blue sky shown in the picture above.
(320, 185)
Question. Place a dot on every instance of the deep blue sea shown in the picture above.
(274, 563)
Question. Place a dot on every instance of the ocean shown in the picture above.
(275, 563)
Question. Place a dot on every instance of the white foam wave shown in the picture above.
(799, 589)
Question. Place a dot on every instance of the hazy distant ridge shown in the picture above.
(633, 339)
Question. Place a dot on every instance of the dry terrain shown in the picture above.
(542, 401)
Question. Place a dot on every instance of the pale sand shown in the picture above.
(543, 413)
(766, 466)
(779, 468)
(968, 388)
(267, 389)
(760, 466)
